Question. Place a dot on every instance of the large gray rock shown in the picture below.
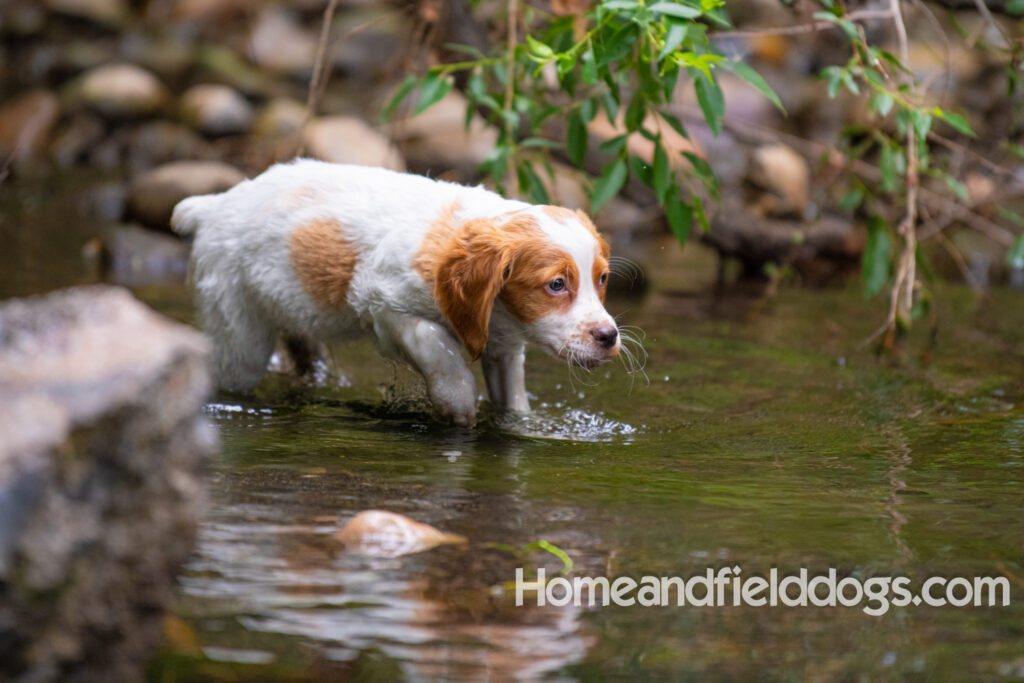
(153, 194)
(102, 444)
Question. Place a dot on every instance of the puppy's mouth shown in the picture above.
(586, 358)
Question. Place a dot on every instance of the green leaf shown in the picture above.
(577, 138)
(1011, 216)
(675, 9)
(887, 165)
(1015, 258)
(661, 171)
(1015, 7)
(615, 145)
(881, 103)
(619, 45)
(554, 550)
(711, 101)
(538, 193)
(676, 124)
(620, 4)
(538, 48)
(747, 73)
(611, 106)
(635, 112)
(957, 188)
(702, 217)
(588, 110)
(957, 121)
(922, 122)
(641, 169)
(875, 260)
(608, 185)
(540, 142)
(435, 86)
(850, 83)
(852, 199)
(833, 75)
(674, 38)
(679, 215)
(590, 76)
(403, 90)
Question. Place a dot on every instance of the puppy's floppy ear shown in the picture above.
(470, 277)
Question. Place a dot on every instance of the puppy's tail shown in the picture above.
(190, 213)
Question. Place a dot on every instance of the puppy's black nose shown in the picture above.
(605, 335)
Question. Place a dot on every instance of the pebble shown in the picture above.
(216, 110)
(121, 91)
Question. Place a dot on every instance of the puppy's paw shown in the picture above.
(454, 417)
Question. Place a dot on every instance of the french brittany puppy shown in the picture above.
(320, 251)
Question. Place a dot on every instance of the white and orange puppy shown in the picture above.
(322, 251)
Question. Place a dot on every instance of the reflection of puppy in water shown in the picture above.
(321, 251)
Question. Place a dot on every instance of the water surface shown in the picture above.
(764, 436)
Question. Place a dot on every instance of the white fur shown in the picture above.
(248, 292)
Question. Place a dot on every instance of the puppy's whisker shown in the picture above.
(625, 267)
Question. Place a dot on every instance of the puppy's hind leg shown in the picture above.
(242, 345)
(303, 353)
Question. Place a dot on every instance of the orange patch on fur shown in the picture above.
(324, 261)
(537, 264)
(440, 237)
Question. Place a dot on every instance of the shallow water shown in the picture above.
(766, 437)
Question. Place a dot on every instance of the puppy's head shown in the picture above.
(549, 269)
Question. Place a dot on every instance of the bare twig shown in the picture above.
(1010, 174)
(810, 27)
(987, 14)
(319, 77)
(906, 275)
(958, 259)
(510, 85)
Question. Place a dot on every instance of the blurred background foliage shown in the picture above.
(800, 140)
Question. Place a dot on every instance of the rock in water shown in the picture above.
(153, 194)
(102, 444)
(379, 533)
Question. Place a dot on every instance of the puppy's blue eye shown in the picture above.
(557, 285)
(604, 278)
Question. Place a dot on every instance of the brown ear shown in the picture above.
(469, 279)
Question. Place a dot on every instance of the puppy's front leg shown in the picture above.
(506, 379)
(435, 353)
